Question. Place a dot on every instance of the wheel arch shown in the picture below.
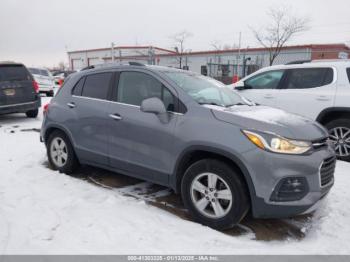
(52, 128)
(196, 153)
(333, 113)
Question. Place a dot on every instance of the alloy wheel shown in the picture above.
(340, 137)
(211, 195)
(59, 152)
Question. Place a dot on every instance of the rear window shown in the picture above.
(13, 73)
(348, 72)
(44, 72)
(36, 71)
(97, 85)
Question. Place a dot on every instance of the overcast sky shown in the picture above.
(38, 32)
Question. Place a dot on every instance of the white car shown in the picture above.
(319, 90)
(44, 79)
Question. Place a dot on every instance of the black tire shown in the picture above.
(71, 164)
(240, 204)
(32, 113)
(50, 94)
(345, 123)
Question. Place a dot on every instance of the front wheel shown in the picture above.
(339, 134)
(214, 194)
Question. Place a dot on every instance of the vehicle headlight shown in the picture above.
(277, 144)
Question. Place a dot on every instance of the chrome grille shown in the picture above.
(327, 171)
(320, 143)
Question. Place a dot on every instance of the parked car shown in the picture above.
(189, 132)
(319, 90)
(44, 79)
(59, 76)
(18, 90)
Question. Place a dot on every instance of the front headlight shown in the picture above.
(277, 144)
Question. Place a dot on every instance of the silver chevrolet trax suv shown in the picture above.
(224, 154)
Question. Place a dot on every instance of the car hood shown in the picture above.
(268, 119)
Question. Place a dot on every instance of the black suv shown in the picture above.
(19, 93)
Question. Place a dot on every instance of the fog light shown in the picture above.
(290, 189)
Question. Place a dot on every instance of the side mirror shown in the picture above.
(242, 86)
(153, 105)
(239, 85)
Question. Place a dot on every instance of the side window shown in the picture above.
(97, 85)
(134, 87)
(303, 78)
(348, 72)
(78, 88)
(267, 80)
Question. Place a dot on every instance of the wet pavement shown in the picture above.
(165, 199)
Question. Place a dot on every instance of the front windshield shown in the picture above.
(206, 90)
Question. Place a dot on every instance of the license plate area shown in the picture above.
(9, 92)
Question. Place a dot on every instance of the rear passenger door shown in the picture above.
(140, 143)
(89, 104)
(307, 91)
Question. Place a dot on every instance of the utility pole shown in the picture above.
(239, 52)
(112, 52)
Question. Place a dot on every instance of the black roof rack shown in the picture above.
(88, 67)
(136, 64)
(112, 64)
(297, 62)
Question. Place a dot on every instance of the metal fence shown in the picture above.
(224, 69)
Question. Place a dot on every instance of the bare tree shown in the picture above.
(284, 25)
(218, 46)
(179, 45)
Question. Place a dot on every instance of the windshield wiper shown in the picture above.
(237, 104)
(210, 103)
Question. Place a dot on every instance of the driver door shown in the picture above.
(139, 142)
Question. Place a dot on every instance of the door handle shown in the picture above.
(71, 105)
(268, 96)
(323, 98)
(115, 117)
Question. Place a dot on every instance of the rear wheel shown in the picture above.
(214, 194)
(61, 153)
(32, 113)
(339, 131)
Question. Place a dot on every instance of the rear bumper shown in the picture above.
(46, 88)
(20, 108)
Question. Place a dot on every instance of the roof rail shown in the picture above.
(330, 60)
(136, 64)
(112, 64)
(88, 67)
(297, 62)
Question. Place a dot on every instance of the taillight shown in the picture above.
(46, 108)
(36, 87)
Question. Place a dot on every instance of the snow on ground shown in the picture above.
(44, 212)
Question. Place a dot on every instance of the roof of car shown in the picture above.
(130, 66)
(313, 63)
(10, 63)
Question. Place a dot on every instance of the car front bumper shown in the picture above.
(267, 170)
